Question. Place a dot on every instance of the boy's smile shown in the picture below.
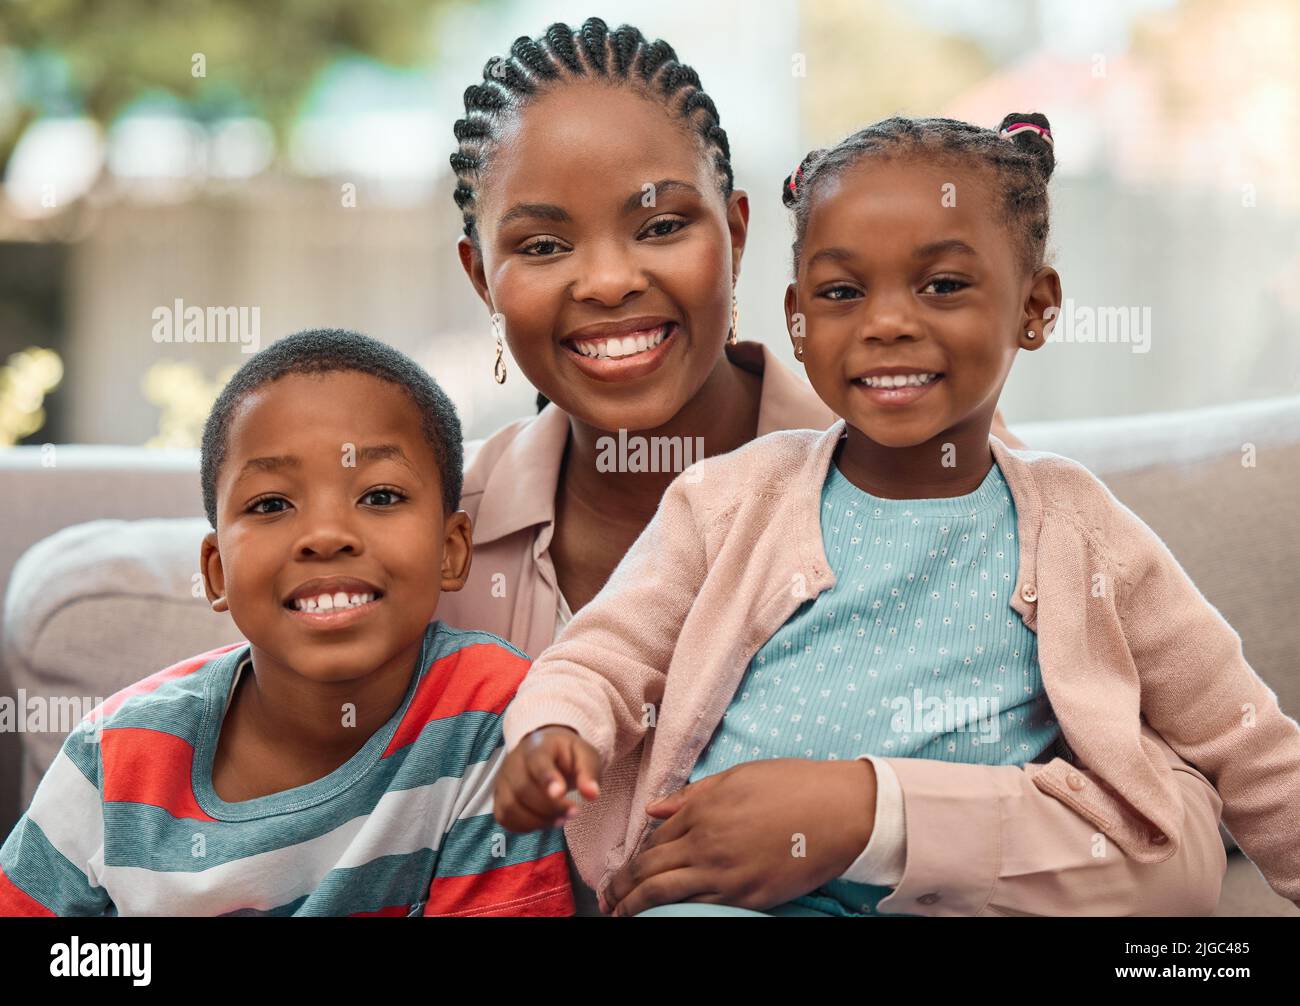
(331, 529)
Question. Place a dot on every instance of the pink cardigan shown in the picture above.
(1146, 669)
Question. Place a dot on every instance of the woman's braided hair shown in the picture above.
(622, 56)
(1019, 154)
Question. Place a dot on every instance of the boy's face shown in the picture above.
(329, 494)
(893, 276)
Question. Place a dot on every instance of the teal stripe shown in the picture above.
(175, 706)
(140, 835)
(381, 883)
(44, 873)
(82, 749)
(476, 845)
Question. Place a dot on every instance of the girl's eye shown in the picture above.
(269, 504)
(662, 227)
(839, 293)
(951, 285)
(542, 247)
(383, 497)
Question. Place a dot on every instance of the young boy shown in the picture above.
(341, 761)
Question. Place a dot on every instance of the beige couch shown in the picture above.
(94, 606)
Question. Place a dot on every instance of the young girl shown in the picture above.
(905, 595)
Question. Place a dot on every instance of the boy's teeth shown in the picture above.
(897, 380)
(612, 349)
(328, 602)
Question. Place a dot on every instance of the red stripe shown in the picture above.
(150, 767)
(15, 901)
(179, 670)
(392, 911)
(481, 676)
(538, 887)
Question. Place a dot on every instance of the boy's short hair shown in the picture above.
(332, 350)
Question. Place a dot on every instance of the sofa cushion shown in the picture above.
(98, 606)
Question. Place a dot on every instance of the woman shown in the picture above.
(604, 235)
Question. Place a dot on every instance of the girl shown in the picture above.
(904, 600)
(556, 140)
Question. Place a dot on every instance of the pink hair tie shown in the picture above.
(795, 179)
(1019, 127)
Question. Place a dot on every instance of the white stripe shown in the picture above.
(402, 822)
(475, 797)
(66, 806)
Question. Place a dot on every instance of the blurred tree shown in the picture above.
(261, 53)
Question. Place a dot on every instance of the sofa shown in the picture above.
(100, 557)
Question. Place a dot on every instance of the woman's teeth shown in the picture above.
(897, 380)
(612, 349)
(331, 602)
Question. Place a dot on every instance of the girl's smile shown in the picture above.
(896, 386)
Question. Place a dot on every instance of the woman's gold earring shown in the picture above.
(798, 350)
(499, 367)
(733, 336)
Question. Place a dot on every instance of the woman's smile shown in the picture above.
(622, 352)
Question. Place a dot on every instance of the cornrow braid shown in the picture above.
(562, 53)
(1020, 161)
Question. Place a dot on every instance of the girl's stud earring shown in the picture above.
(499, 367)
(1031, 334)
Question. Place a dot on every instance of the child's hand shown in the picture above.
(535, 777)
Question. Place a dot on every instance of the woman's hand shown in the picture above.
(753, 836)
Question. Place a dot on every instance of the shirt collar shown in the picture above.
(520, 490)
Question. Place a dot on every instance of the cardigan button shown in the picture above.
(1028, 593)
(1075, 781)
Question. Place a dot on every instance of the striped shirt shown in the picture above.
(126, 820)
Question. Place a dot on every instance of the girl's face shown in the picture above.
(600, 218)
(906, 269)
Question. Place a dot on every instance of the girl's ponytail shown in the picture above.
(1032, 133)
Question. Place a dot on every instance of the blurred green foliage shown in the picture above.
(260, 55)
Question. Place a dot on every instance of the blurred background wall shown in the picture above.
(293, 158)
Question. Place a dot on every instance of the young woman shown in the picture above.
(604, 236)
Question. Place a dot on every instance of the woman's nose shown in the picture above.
(609, 275)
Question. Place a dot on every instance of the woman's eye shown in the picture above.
(662, 228)
(840, 293)
(271, 504)
(542, 247)
(382, 497)
(950, 285)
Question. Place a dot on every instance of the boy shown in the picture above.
(341, 761)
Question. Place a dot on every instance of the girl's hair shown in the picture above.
(593, 52)
(1018, 155)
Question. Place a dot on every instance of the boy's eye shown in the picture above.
(662, 227)
(382, 497)
(542, 247)
(949, 285)
(269, 504)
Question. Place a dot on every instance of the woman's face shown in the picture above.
(607, 246)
